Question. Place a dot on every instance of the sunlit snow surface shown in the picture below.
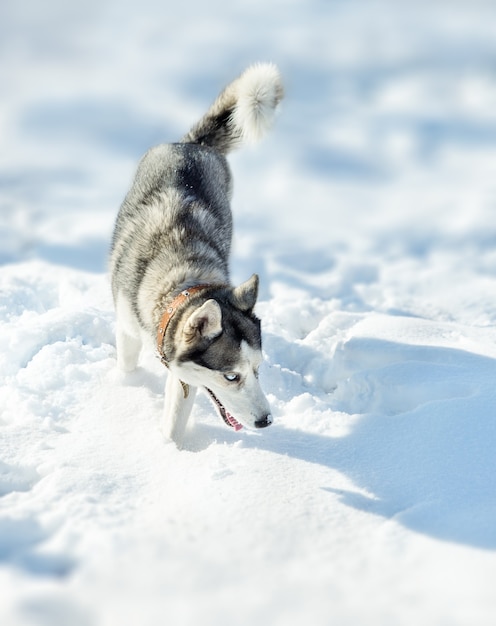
(369, 213)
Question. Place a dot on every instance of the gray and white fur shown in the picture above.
(173, 232)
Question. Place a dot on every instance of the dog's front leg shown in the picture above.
(128, 350)
(177, 409)
(128, 340)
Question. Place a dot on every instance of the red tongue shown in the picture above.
(226, 416)
(236, 425)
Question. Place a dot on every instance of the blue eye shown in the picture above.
(231, 377)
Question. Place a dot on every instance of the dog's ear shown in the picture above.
(205, 322)
(245, 296)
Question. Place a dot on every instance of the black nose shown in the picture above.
(264, 421)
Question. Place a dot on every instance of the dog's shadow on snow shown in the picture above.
(423, 455)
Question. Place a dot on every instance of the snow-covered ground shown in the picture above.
(369, 214)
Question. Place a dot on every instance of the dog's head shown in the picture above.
(218, 347)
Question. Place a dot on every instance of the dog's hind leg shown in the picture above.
(177, 408)
(127, 337)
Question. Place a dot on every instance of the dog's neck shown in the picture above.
(168, 314)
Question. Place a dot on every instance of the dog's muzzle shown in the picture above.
(264, 422)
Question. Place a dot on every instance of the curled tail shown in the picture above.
(243, 112)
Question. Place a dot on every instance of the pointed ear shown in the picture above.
(245, 296)
(204, 323)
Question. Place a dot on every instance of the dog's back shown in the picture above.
(174, 225)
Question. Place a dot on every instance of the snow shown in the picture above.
(368, 213)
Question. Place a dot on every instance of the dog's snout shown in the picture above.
(265, 421)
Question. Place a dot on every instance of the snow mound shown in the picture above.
(377, 417)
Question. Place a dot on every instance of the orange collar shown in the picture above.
(168, 314)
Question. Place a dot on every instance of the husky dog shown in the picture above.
(169, 263)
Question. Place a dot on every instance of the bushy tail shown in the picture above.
(243, 112)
